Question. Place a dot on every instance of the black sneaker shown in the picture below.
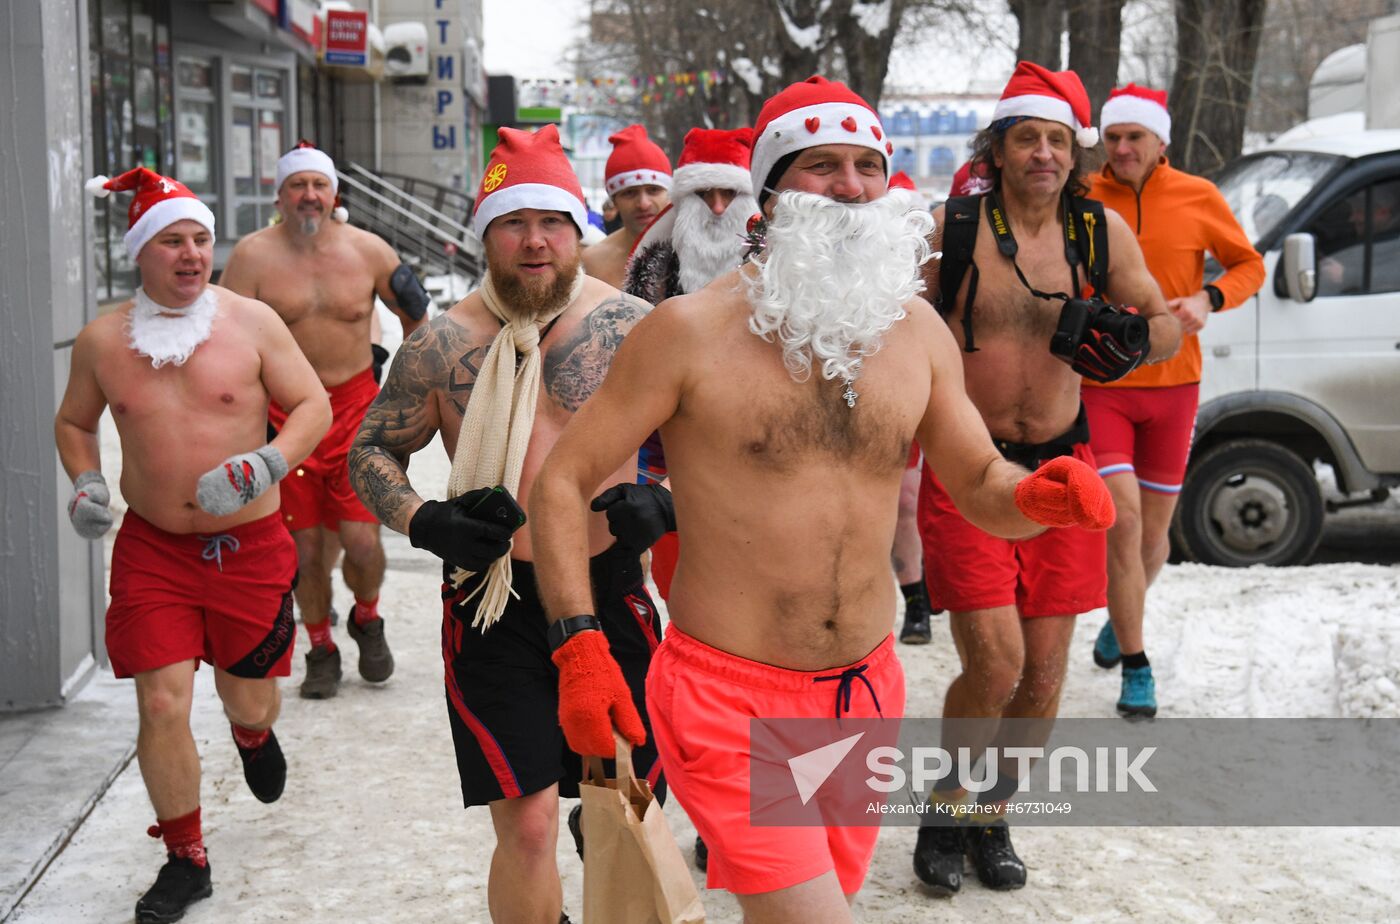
(180, 883)
(916, 629)
(576, 828)
(264, 768)
(938, 858)
(322, 679)
(702, 855)
(376, 661)
(989, 848)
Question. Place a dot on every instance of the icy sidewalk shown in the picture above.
(371, 827)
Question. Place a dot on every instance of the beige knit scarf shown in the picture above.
(496, 429)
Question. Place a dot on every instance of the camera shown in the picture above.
(1116, 325)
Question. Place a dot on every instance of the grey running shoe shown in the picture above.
(322, 673)
(180, 883)
(376, 661)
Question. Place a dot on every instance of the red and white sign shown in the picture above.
(347, 38)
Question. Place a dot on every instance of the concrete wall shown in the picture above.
(51, 597)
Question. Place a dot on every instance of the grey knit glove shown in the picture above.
(88, 509)
(238, 480)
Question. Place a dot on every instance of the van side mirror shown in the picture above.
(1300, 267)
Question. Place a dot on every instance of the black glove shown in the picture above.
(1114, 343)
(378, 357)
(449, 531)
(638, 514)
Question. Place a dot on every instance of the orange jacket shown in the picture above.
(1177, 217)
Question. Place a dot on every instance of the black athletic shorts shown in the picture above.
(503, 689)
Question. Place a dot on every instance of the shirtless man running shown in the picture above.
(637, 177)
(1013, 604)
(202, 567)
(322, 275)
(787, 411)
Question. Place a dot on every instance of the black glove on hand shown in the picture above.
(638, 514)
(1115, 343)
(449, 531)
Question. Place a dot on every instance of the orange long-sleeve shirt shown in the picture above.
(1177, 218)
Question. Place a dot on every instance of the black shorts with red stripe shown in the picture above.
(503, 689)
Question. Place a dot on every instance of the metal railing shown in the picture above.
(425, 223)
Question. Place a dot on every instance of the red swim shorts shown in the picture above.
(1061, 572)
(665, 555)
(317, 492)
(225, 598)
(1144, 432)
(700, 701)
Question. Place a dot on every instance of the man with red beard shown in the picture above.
(1028, 333)
(202, 567)
(498, 376)
(637, 177)
(788, 393)
(322, 276)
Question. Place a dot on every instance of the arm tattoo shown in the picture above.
(574, 369)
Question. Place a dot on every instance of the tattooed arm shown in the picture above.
(574, 368)
(401, 421)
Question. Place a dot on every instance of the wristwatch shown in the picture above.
(1217, 298)
(564, 629)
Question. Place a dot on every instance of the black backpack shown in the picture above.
(1087, 245)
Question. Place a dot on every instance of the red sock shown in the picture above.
(247, 738)
(183, 837)
(320, 634)
(366, 610)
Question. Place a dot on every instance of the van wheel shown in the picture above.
(1249, 502)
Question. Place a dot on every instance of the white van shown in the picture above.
(1308, 370)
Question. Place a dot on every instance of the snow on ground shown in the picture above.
(370, 828)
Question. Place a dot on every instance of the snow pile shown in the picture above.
(1368, 668)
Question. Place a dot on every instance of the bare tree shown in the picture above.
(1042, 25)
(1217, 42)
(1095, 38)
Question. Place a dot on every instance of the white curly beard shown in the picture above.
(170, 335)
(709, 245)
(834, 277)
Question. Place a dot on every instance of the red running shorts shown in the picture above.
(317, 492)
(700, 701)
(224, 598)
(1144, 432)
(1060, 572)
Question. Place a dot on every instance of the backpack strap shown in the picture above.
(960, 218)
(1089, 238)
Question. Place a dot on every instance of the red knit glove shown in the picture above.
(594, 697)
(1066, 492)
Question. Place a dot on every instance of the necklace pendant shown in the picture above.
(850, 395)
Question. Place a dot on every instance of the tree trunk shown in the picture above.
(865, 36)
(1217, 42)
(1042, 23)
(802, 28)
(1095, 31)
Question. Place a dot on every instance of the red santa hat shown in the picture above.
(714, 158)
(158, 203)
(635, 160)
(970, 180)
(1040, 93)
(1141, 105)
(528, 170)
(307, 157)
(814, 112)
(901, 180)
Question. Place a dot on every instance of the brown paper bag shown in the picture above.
(633, 872)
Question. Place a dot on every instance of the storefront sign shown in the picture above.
(347, 38)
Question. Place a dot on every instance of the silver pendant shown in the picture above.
(850, 394)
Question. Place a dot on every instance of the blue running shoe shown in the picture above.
(1139, 697)
(1106, 651)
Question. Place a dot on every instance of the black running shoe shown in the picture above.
(264, 768)
(702, 855)
(179, 884)
(376, 661)
(938, 858)
(576, 828)
(322, 680)
(916, 629)
(989, 848)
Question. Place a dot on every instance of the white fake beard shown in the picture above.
(834, 277)
(170, 335)
(709, 245)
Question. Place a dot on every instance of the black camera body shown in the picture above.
(1119, 326)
